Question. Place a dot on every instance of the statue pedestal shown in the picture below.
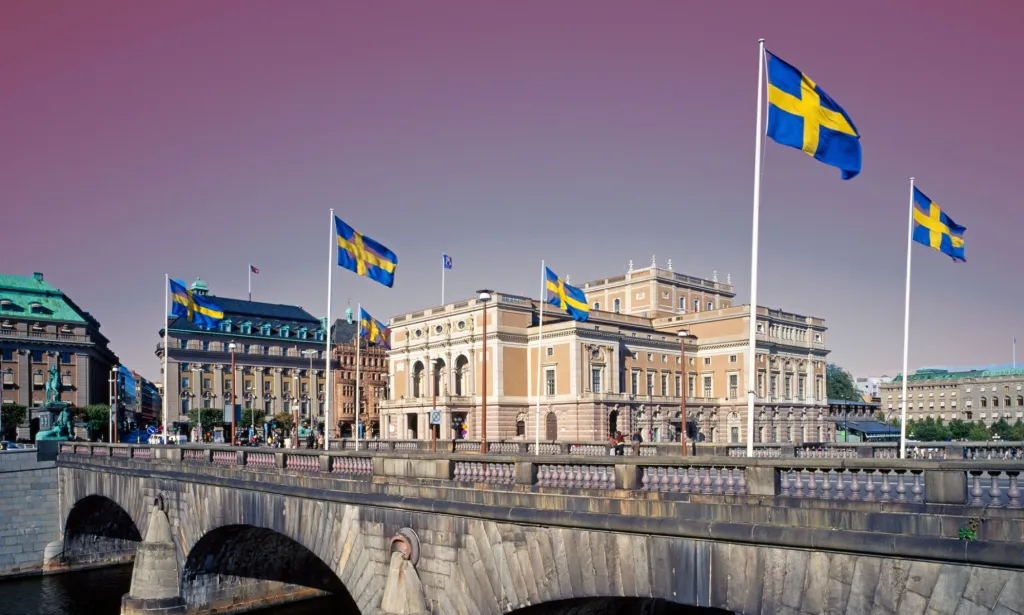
(47, 416)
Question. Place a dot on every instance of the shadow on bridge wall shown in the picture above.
(616, 606)
(244, 566)
(99, 532)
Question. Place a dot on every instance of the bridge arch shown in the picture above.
(241, 565)
(616, 606)
(98, 529)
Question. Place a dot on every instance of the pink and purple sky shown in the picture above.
(195, 137)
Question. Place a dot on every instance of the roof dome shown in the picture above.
(199, 287)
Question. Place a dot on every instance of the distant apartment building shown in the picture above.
(870, 387)
(986, 395)
(621, 370)
(41, 327)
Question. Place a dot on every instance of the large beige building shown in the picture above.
(618, 371)
(986, 395)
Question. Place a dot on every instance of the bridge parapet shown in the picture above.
(973, 483)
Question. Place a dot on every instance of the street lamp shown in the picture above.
(111, 422)
(684, 338)
(311, 377)
(295, 407)
(231, 347)
(485, 296)
(196, 371)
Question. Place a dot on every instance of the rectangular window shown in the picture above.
(595, 379)
(734, 434)
(634, 381)
(789, 387)
(734, 386)
(551, 351)
(774, 386)
(184, 382)
(707, 387)
(664, 385)
(37, 356)
(549, 382)
(817, 388)
(732, 358)
(691, 385)
(650, 384)
(65, 380)
(266, 386)
(7, 354)
(207, 383)
(305, 388)
(707, 360)
(65, 358)
(8, 380)
(800, 386)
(650, 357)
(679, 385)
(760, 385)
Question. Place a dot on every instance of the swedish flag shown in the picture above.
(933, 228)
(802, 115)
(195, 308)
(374, 330)
(364, 256)
(568, 298)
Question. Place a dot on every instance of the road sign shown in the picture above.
(435, 417)
(151, 430)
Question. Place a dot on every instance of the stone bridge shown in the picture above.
(218, 528)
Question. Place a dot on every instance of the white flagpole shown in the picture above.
(167, 290)
(250, 281)
(752, 349)
(359, 331)
(906, 325)
(443, 263)
(328, 383)
(540, 354)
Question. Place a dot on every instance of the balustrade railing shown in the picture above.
(259, 460)
(854, 484)
(576, 476)
(351, 465)
(994, 488)
(489, 473)
(706, 480)
(303, 463)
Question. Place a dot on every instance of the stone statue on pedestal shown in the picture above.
(61, 427)
(62, 424)
(53, 385)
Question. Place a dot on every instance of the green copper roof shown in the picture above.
(199, 284)
(942, 374)
(32, 298)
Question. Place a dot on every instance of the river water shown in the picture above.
(99, 591)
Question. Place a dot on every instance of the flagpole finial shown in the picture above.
(760, 40)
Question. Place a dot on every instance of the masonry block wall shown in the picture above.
(29, 518)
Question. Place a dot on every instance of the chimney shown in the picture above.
(38, 276)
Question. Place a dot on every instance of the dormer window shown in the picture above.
(319, 335)
(247, 328)
(37, 308)
(303, 332)
(7, 304)
(264, 329)
(225, 326)
(284, 331)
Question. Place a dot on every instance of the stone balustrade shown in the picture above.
(967, 482)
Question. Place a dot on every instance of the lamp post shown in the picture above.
(231, 347)
(684, 338)
(111, 421)
(311, 377)
(485, 296)
(295, 408)
(196, 397)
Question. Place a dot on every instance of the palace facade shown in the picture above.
(986, 395)
(372, 376)
(40, 327)
(621, 370)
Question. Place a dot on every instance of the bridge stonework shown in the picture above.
(249, 536)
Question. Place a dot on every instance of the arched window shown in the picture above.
(521, 425)
(984, 402)
(1006, 402)
(682, 305)
(1020, 401)
(995, 401)
(696, 305)
(417, 379)
(711, 306)
(439, 388)
(461, 371)
(615, 306)
(760, 434)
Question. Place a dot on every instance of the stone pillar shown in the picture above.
(154, 589)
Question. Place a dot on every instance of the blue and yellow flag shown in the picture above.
(935, 229)
(374, 330)
(197, 309)
(568, 298)
(364, 256)
(802, 115)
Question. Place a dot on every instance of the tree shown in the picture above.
(210, 416)
(959, 430)
(840, 384)
(929, 430)
(1017, 431)
(97, 417)
(12, 415)
(1002, 429)
(285, 420)
(248, 414)
(978, 433)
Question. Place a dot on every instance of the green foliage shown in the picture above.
(978, 433)
(840, 384)
(13, 415)
(210, 416)
(97, 417)
(959, 430)
(248, 414)
(971, 531)
(928, 430)
(285, 420)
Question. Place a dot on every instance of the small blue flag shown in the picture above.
(447, 261)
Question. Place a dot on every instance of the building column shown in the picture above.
(25, 378)
(278, 390)
(218, 385)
